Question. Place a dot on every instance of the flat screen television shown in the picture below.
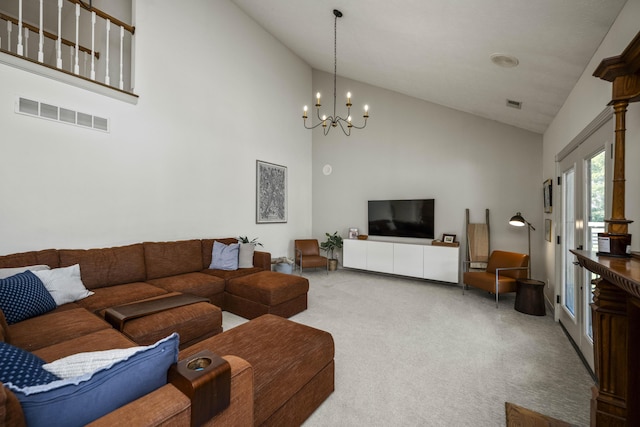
(401, 218)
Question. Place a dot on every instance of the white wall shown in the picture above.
(181, 163)
(416, 149)
(588, 98)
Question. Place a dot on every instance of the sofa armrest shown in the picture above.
(169, 406)
(164, 406)
(262, 260)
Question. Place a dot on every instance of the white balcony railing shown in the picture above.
(71, 36)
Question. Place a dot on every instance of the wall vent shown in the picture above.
(59, 114)
(514, 104)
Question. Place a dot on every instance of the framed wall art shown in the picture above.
(547, 191)
(271, 193)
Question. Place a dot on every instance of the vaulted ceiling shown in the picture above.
(440, 50)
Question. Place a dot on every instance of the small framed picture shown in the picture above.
(449, 238)
(353, 233)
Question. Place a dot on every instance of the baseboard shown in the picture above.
(577, 349)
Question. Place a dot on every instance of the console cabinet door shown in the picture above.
(354, 254)
(408, 260)
(380, 257)
(441, 263)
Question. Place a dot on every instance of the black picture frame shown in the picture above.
(449, 238)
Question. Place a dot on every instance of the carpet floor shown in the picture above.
(416, 353)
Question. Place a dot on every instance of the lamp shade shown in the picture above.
(517, 220)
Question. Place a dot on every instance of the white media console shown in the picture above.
(440, 263)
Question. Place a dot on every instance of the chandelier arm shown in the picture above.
(342, 127)
(311, 127)
(360, 127)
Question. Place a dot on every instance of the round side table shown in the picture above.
(530, 297)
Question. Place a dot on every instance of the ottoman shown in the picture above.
(293, 366)
(266, 292)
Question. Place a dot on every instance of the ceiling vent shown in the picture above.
(59, 114)
(514, 104)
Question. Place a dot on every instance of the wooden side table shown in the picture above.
(530, 297)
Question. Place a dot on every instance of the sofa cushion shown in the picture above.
(64, 284)
(8, 272)
(104, 339)
(108, 266)
(19, 368)
(232, 274)
(118, 295)
(224, 257)
(165, 259)
(54, 327)
(80, 400)
(24, 296)
(200, 284)
(193, 322)
(47, 257)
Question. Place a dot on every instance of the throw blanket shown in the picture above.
(478, 241)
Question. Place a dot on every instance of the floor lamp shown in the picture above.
(518, 221)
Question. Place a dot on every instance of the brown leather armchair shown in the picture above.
(500, 276)
(308, 255)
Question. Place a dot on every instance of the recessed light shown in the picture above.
(504, 60)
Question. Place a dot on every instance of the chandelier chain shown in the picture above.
(335, 60)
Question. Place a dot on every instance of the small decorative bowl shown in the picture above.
(363, 237)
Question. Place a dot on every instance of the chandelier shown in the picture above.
(335, 120)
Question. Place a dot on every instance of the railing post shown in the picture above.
(41, 38)
(93, 44)
(76, 67)
(19, 48)
(59, 47)
(9, 29)
(121, 49)
(26, 42)
(107, 80)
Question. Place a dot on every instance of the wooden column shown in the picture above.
(618, 224)
(622, 71)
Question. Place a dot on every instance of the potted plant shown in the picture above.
(245, 239)
(333, 243)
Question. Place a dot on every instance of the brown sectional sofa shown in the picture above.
(265, 389)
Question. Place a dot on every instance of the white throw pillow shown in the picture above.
(64, 284)
(8, 272)
(245, 259)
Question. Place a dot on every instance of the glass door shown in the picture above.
(584, 205)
